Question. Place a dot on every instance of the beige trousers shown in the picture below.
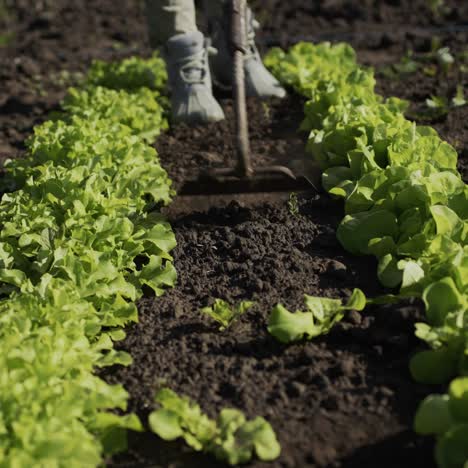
(167, 18)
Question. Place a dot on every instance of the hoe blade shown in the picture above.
(299, 176)
(205, 185)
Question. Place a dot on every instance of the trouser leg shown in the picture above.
(166, 18)
(259, 81)
(214, 9)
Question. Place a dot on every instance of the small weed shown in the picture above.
(225, 314)
(293, 204)
(266, 110)
(66, 78)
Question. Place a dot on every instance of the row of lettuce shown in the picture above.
(81, 235)
(405, 203)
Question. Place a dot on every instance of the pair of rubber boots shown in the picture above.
(189, 58)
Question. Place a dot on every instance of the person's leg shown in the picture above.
(167, 18)
(214, 9)
(172, 25)
(259, 81)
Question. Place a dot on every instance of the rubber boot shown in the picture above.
(190, 80)
(259, 82)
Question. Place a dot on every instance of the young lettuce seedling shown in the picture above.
(293, 204)
(230, 438)
(225, 314)
(322, 315)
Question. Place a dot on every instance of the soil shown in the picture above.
(343, 400)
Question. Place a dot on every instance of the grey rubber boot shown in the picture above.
(190, 81)
(259, 82)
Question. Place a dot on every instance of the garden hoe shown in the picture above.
(244, 178)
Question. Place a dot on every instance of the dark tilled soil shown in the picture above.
(346, 399)
(330, 399)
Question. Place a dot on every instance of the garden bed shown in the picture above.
(346, 399)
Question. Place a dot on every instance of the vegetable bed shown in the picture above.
(343, 399)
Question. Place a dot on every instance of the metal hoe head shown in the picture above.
(264, 179)
(244, 178)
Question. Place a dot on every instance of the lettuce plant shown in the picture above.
(230, 438)
(322, 315)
